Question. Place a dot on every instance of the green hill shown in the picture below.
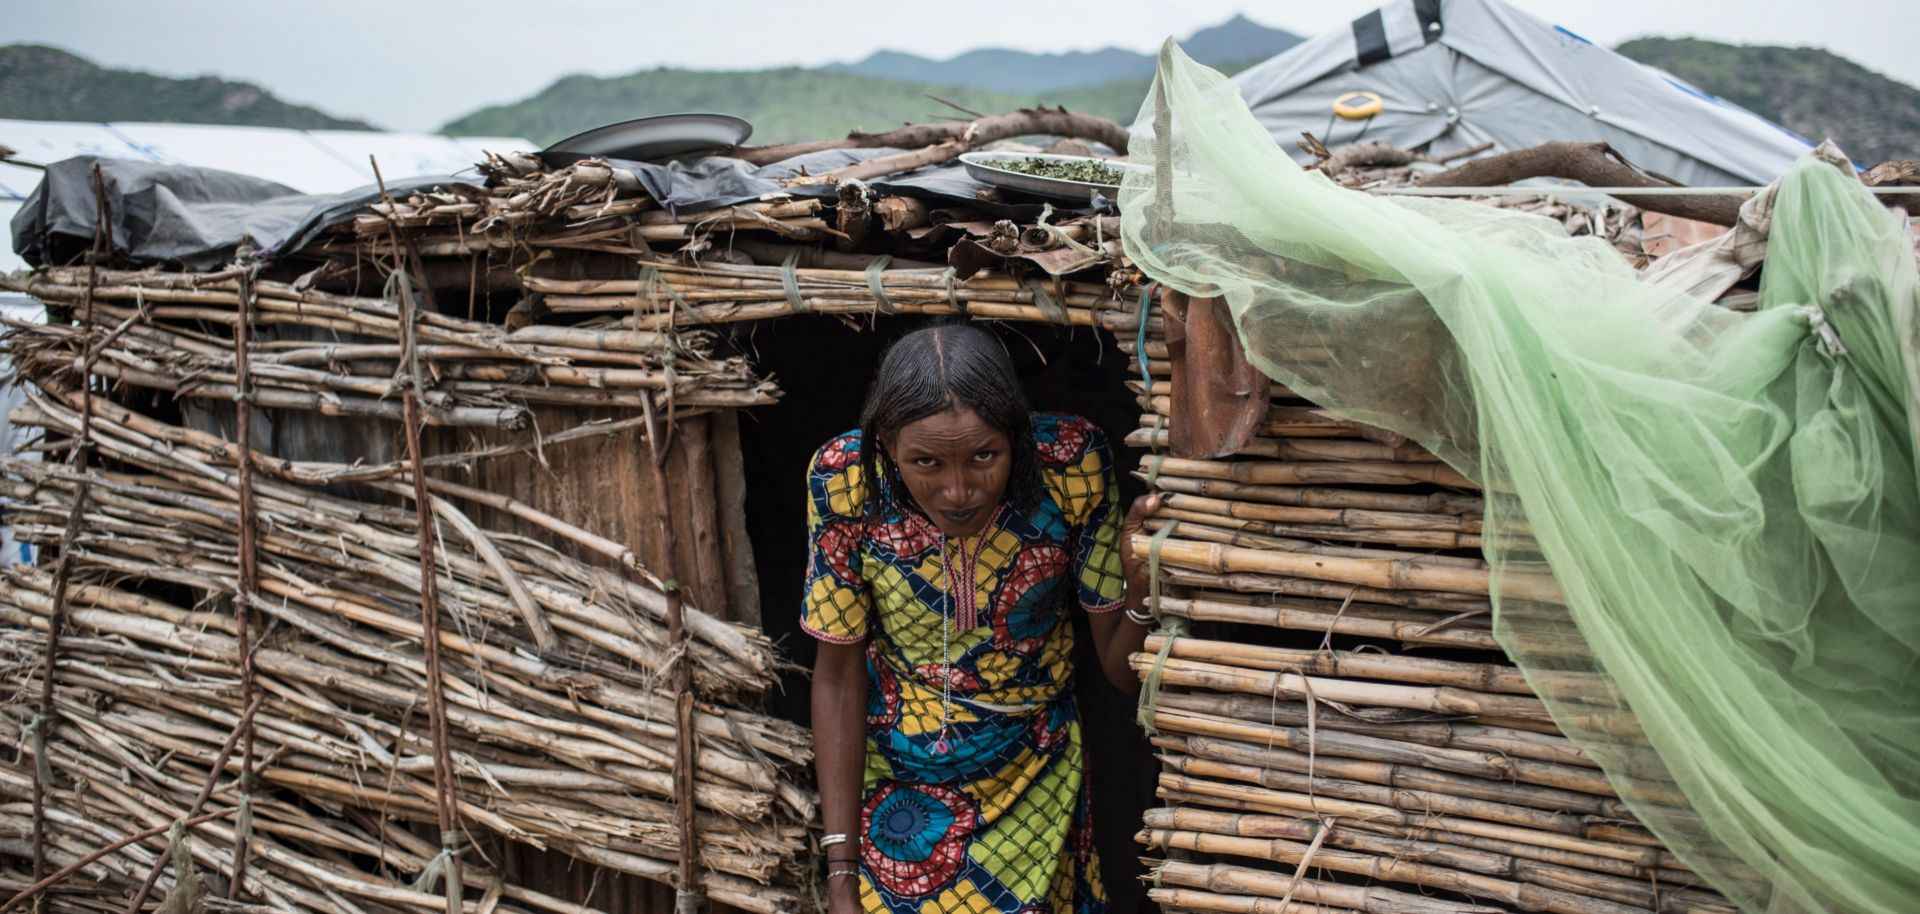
(1005, 70)
(39, 83)
(1120, 99)
(784, 105)
(1812, 92)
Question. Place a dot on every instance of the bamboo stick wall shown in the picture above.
(560, 722)
(1337, 728)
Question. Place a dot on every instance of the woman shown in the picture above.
(948, 535)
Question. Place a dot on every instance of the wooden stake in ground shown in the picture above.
(63, 571)
(249, 562)
(448, 815)
(688, 895)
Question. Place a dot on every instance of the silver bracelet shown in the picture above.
(827, 841)
(832, 874)
(1138, 617)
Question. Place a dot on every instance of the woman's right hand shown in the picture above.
(840, 754)
(843, 895)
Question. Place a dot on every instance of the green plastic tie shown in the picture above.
(790, 278)
(186, 881)
(1153, 469)
(1045, 302)
(243, 821)
(953, 298)
(645, 293)
(655, 283)
(447, 861)
(37, 732)
(1140, 339)
(1153, 566)
(1171, 630)
(879, 288)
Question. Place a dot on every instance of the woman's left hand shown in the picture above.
(1116, 636)
(1132, 565)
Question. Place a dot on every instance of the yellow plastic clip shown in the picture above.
(1358, 106)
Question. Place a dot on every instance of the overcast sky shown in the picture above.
(416, 64)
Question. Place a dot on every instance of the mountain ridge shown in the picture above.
(1810, 91)
(789, 104)
(1237, 40)
(43, 83)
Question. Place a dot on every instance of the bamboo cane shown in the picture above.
(1474, 676)
(1382, 574)
(1444, 700)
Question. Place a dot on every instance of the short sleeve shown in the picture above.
(838, 606)
(1085, 485)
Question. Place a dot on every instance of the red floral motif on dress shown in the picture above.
(1069, 440)
(917, 836)
(839, 542)
(1048, 733)
(889, 696)
(963, 682)
(907, 540)
(839, 454)
(1025, 629)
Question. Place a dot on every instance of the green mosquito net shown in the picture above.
(1727, 501)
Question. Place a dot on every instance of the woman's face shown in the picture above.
(955, 466)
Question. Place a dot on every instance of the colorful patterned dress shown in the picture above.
(999, 820)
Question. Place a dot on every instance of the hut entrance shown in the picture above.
(825, 367)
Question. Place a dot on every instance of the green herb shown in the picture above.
(1086, 171)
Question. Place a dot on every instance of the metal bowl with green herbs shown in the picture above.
(1059, 177)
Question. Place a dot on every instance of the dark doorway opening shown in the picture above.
(825, 366)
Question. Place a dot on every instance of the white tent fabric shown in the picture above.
(309, 161)
(14, 308)
(1457, 73)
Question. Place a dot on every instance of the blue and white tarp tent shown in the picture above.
(1453, 74)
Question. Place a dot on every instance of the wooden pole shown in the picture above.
(249, 569)
(77, 460)
(447, 813)
(708, 581)
(688, 895)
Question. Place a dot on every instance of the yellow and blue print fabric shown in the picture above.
(991, 815)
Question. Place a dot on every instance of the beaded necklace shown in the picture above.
(950, 611)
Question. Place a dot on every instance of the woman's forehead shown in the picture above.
(960, 426)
